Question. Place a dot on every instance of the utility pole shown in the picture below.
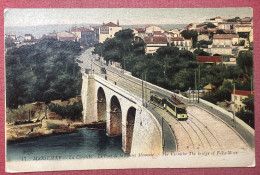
(199, 85)
(143, 89)
(234, 111)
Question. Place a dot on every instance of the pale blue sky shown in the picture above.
(31, 17)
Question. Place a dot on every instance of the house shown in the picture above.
(203, 37)
(108, 31)
(154, 43)
(66, 36)
(225, 39)
(157, 33)
(78, 31)
(96, 32)
(151, 28)
(191, 26)
(181, 43)
(209, 59)
(227, 25)
(209, 88)
(215, 20)
(223, 44)
(28, 37)
(237, 98)
(50, 35)
(229, 60)
(243, 28)
(12, 38)
(87, 37)
(175, 32)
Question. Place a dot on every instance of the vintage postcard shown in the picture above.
(129, 88)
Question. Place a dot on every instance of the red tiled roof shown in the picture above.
(225, 36)
(177, 39)
(157, 32)
(218, 17)
(243, 93)
(140, 29)
(243, 25)
(212, 29)
(155, 39)
(209, 59)
(110, 24)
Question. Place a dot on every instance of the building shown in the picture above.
(209, 88)
(50, 35)
(151, 28)
(66, 36)
(28, 37)
(227, 25)
(78, 31)
(223, 44)
(215, 20)
(203, 37)
(181, 43)
(209, 59)
(154, 43)
(87, 37)
(237, 98)
(108, 31)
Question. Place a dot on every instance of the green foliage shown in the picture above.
(72, 112)
(210, 25)
(188, 34)
(220, 31)
(242, 43)
(236, 19)
(245, 62)
(9, 43)
(243, 35)
(42, 72)
(247, 114)
(200, 52)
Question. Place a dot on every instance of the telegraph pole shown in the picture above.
(143, 88)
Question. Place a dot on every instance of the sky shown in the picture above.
(126, 16)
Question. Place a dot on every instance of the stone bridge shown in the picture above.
(123, 113)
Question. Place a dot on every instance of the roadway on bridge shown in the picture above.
(203, 131)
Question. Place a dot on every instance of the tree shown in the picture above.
(210, 25)
(200, 52)
(190, 34)
(245, 62)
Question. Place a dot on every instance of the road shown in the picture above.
(206, 129)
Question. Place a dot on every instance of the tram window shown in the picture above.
(181, 111)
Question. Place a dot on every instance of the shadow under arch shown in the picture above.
(101, 104)
(130, 121)
(115, 117)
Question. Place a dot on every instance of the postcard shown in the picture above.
(129, 88)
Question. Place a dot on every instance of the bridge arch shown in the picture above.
(115, 117)
(101, 104)
(130, 121)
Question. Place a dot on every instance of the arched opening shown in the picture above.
(101, 104)
(130, 121)
(115, 117)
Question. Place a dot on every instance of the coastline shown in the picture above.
(24, 132)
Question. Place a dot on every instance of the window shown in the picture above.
(235, 97)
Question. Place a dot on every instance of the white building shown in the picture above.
(28, 37)
(225, 39)
(151, 28)
(108, 31)
(215, 20)
(203, 37)
(181, 43)
(237, 97)
(227, 25)
(66, 36)
(154, 43)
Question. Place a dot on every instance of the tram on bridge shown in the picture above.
(172, 104)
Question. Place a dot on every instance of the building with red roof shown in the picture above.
(108, 31)
(237, 97)
(181, 43)
(153, 43)
(209, 59)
